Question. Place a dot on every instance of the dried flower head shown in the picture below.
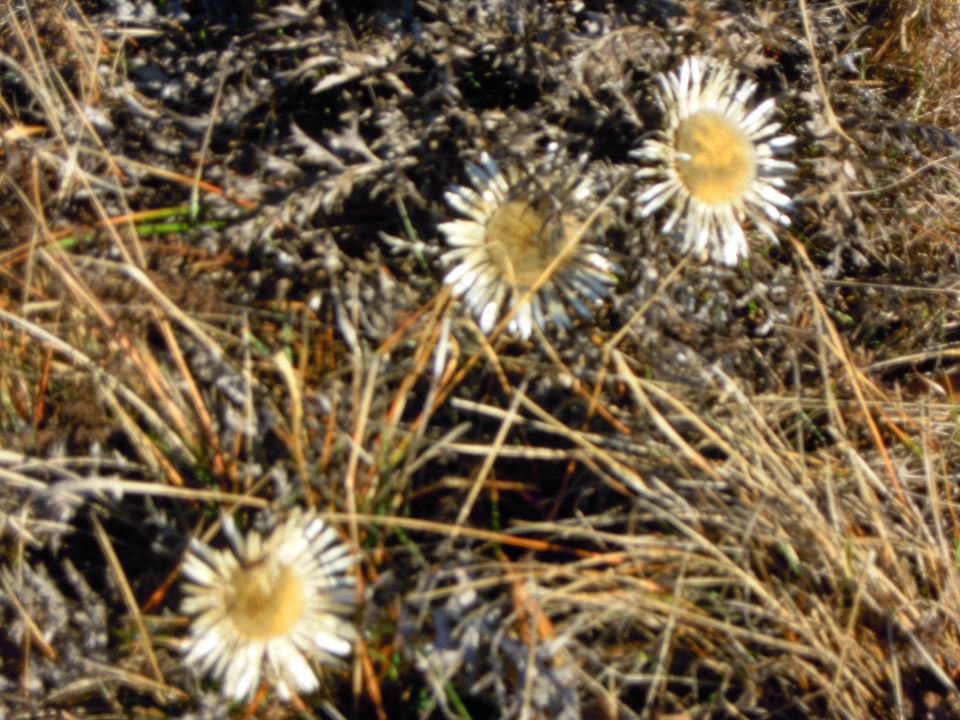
(515, 229)
(278, 601)
(715, 160)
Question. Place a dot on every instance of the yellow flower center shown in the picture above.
(265, 601)
(721, 163)
(522, 241)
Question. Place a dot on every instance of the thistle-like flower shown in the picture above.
(514, 229)
(278, 601)
(715, 161)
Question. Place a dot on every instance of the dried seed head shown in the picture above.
(279, 602)
(714, 161)
(511, 237)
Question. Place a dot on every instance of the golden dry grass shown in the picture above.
(732, 496)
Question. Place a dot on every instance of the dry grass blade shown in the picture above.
(126, 592)
(91, 485)
(818, 73)
(487, 465)
(36, 634)
(135, 681)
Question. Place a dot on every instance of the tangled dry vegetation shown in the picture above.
(728, 494)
